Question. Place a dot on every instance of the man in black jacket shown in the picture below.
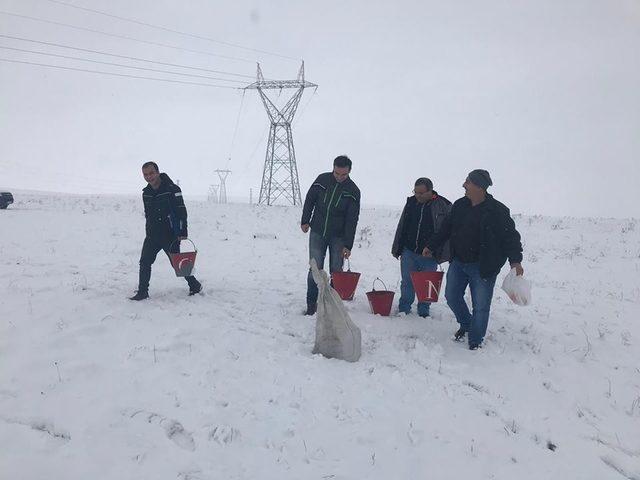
(483, 236)
(331, 211)
(421, 219)
(166, 225)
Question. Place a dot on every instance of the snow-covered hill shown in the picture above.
(223, 385)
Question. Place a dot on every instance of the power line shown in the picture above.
(74, 177)
(119, 64)
(235, 130)
(138, 22)
(125, 56)
(124, 37)
(304, 107)
(115, 74)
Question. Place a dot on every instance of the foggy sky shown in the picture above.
(543, 94)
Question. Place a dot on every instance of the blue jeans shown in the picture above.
(413, 262)
(458, 277)
(318, 250)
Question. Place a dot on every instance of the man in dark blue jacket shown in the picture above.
(331, 211)
(166, 225)
(483, 236)
(422, 217)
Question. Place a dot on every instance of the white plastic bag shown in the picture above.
(518, 288)
(336, 334)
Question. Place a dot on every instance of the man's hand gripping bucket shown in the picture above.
(427, 285)
(183, 262)
(345, 283)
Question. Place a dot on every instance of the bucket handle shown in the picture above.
(188, 239)
(348, 265)
(378, 280)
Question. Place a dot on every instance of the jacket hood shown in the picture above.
(412, 198)
(165, 182)
(165, 178)
(489, 202)
(488, 197)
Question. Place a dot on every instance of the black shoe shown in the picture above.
(311, 309)
(424, 315)
(475, 346)
(459, 335)
(140, 295)
(195, 288)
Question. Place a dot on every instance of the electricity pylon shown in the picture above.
(213, 193)
(223, 186)
(280, 174)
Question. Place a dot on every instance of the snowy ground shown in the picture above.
(224, 386)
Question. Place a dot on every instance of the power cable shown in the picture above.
(199, 37)
(115, 74)
(124, 37)
(126, 57)
(119, 64)
(235, 130)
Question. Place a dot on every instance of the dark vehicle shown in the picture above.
(6, 199)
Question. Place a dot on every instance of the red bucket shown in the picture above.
(380, 301)
(427, 285)
(345, 283)
(183, 262)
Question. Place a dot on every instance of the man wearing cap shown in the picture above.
(482, 236)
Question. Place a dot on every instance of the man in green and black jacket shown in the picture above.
(331, 211)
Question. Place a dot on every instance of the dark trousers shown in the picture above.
(318, 250)
(150, 249)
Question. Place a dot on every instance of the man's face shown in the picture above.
(151, 175)
(341, 173)
(422, 193)
(471, 189)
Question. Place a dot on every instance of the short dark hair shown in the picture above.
(424, 181)
(151, 164)
(342, 161)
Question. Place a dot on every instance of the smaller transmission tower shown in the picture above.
(213, 193)
(280, 174)
(223, 174)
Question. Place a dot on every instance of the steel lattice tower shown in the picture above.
(280, 174)
(223, 184)
(213, 193)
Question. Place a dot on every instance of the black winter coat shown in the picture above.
(164, 210)
(440, 208)
(499, 239)
(332, 209)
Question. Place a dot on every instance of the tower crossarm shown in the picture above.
(279, 84)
